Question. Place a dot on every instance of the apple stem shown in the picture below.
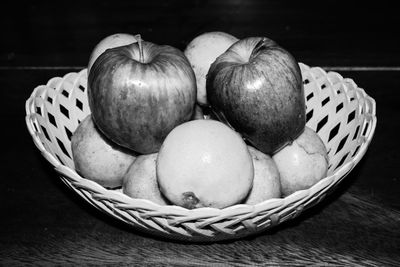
(141, 55)
(259, 46)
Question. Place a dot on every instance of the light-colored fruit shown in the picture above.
(140, 180)
(201, 52)
(111, 41)
(204, 163)
(266, 184)
(302, 163)
(98, 159)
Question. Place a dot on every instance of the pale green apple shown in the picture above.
(302, 163)
(266, 183)
(140, 180)
(98, 159)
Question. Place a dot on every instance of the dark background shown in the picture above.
(43, 223)
(323, 33)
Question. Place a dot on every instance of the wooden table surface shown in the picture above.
(43, 223)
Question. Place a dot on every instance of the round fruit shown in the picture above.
(302, 163)
(266, 184)
(256, 86)
(201, 52)
(204, 163)
(138, 93)
(140, 180)
(111, 41)
(98, 159)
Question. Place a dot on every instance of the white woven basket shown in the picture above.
(343, 115)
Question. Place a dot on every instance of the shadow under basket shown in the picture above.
(342, 114)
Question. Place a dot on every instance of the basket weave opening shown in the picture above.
(341, 113)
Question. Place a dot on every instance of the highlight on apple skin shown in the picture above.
(138, 93)
(256, 87)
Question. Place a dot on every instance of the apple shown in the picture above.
(98, 159)
(302, 163)
(140, 181)
(201, 52)
(111, 41)
(266, 183)
(138, 93)
(256, 87)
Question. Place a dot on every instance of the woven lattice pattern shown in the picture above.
(341, 113)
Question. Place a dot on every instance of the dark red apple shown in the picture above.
(256, 87)
(138, 93)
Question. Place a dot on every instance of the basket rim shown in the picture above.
(125, 202)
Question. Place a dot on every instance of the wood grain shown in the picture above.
(44, 224)
(336, 235)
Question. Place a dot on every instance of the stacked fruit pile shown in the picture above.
(219, 124)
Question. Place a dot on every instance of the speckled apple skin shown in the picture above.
(111, 41)
(302, 163)
(256, 87)
(136, 104)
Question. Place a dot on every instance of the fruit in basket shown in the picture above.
(98, 159)
(198, 113)
(111, 41)
(201, 52)
(138, 93)
(204, 163)
(266, 183)
(302, 163)
(256, 87)
(140, 181)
